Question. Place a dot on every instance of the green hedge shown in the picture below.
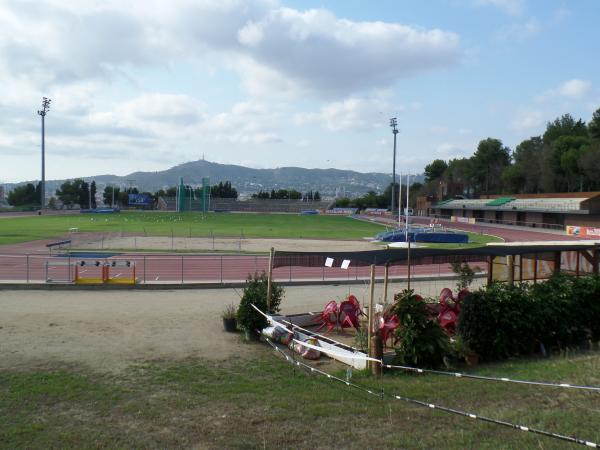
(501, 321)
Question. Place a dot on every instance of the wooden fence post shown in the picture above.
(371, 311)
(270, 280)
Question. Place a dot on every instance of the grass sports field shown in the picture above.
(192, 224)
(23, 229)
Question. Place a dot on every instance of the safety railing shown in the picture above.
(186, 268)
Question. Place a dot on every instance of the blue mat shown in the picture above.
(423, 235)
(443, 238)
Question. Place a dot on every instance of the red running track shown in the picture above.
(14, 266)
(187, 269)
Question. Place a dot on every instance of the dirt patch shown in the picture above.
(110, 330)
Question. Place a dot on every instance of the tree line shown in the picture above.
(566, 158)
(285, 194)
(374, 200)
(26, 195)
(221, 190)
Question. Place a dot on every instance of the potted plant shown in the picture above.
(229, 318)
(255, 293)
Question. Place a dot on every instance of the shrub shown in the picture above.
(502, 320)
(423, 342)
(496, 321)
(465, 274)
(586, 293)
(255, 292)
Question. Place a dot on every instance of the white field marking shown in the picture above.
(83, 271)
(117, 275)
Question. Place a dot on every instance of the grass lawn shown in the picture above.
(266, 403)
(23, 229)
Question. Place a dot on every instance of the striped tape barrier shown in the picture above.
(549, 434)
(504, 379)
(440, 372)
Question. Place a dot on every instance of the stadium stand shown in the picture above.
(552, 210)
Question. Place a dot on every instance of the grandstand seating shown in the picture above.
(522, 204)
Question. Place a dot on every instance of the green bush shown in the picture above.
(501, 321)
(496, 321)
(422, 341)
(255, 292)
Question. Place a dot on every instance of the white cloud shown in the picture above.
(448, 150)
(527, 121)
(574, 88)
(154, 114)
(350, 114)
(519, 31)
(312, 50)
(513, 7)
(105, 65)
(319, 52)
(247, 122)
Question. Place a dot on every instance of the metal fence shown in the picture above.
(186, 269)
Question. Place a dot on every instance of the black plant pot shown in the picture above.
(230, 325)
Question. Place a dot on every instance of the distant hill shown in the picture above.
(248, 181)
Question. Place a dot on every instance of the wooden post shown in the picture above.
(557, 262)
(269, 279)
(510, 262)
(377, 353)
(535, 267)
(371, 309)
(385, 283)
(490, 274)
(520, 268)
(408, 263)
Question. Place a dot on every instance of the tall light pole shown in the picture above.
(42, 112)
(393, 124)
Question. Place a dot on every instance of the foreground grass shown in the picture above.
(265, 403)
(190, 224)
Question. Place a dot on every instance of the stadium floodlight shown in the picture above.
(42, 112)
(393, 124)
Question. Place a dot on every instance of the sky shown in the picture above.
(149, 84)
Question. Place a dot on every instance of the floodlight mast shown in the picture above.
(42, 112)
(393, 124)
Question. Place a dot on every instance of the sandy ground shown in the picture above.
(217, 244)
(108, 331)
